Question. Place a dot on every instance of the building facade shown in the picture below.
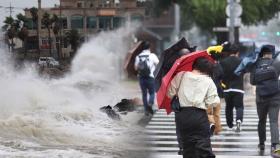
(89, 17)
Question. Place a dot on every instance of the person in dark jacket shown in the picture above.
(233, 88)
(266, 105)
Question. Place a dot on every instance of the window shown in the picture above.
(104, 3)
(140, 4)
(105, 23)
(91, 22)
(31, 25)
(45, 43)
(32, 43)
(80, 4)
(65, 42)
(118, 22)
(64, 23)
(137, 18)
(77, 22)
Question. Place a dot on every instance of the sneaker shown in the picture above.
(229, 128)
(261, 149)
(212, 129)
(180, 152)
(238, 126)
(274, 147)
(261, 146)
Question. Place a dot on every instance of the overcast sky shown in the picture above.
(20, 5)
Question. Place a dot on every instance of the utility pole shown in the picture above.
(177, 21)
(231, 26)
(10, 9)
(39, 26)
(85, 20)
(60, 31)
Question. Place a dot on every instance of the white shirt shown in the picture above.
(152, 62)
(196, 90)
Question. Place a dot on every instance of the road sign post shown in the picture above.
(233, 11)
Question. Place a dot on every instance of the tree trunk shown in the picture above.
(57, 45)
(50, 45)
(24, 47)
(38, 42)
(13, 44)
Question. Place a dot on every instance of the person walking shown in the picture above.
(214, 113)
(182, 52)
(265, 76)
(196, 92)
(233, 88)
(145, 64)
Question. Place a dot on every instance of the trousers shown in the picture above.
(194, 128)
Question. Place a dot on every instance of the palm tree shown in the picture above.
(10, 27)
(47, 23)
(23, 31)
(56, 28)
(34, 14)
(73, 37)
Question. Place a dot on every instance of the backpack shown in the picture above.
(265, 71)
(266, 79)
(143, 66)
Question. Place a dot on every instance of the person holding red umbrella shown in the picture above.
(197, 91)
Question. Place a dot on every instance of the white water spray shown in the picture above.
(56, 114)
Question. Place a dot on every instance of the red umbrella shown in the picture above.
(182, 64)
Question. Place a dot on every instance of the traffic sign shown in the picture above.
(237, 1)
(237, 10)
(237, 22)
(220, 29)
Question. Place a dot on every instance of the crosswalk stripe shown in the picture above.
(216, 137)
(212, 142)
(162, 139)
(218, 156)
(223, 123)
(172, 127)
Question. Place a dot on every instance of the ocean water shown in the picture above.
(43, 117)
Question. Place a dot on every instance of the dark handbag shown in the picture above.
(175, 104)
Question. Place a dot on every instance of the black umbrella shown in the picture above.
(167, 59)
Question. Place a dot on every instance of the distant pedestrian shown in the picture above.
(214, 113)
(264, 75)
(233, 87)
(145, 64)
(196, 93)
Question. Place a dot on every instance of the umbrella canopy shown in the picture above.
(276, 62)
(182, 64)
(167, 59)
(130, 59)
(249, 61)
